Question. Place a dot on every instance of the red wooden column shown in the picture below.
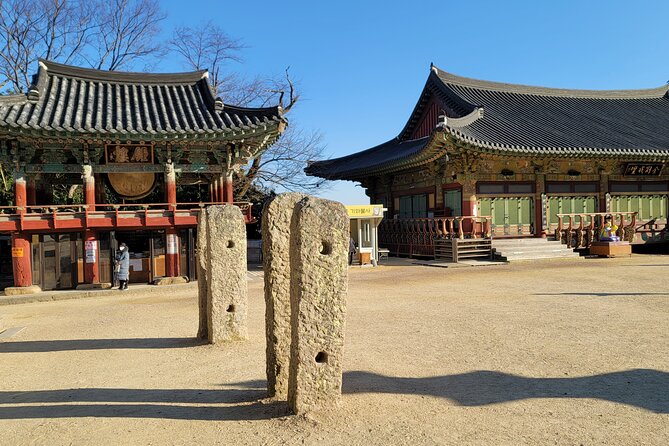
(468, 202)
(228, 195)
(215, 198)
(91, 245)
(170, 186)
(21, 265)
(539, 230)
(91, 257)
(89, 188)
(31, 192)
(171, 233)
(172, 260)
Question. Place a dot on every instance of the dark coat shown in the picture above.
(124, 265)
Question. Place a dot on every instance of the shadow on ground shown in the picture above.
(644, 388)
(205, 404)
(601, 294)
(97, 344)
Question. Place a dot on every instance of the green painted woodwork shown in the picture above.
(649, 207)
(570, 205)
(510, 215)
(453, 201)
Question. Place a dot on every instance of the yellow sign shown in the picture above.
(372, 210)
(17, 252)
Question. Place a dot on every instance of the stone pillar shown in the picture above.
(21, 265)
(172, 252)
(319, 251)
(202, 274)
(91, 257)
(539, 216)
(227, 194)
(170, 186)
(276, 221)
(226, 267)
(89, 187)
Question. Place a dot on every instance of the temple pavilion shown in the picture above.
(134, 136)
(530, 158)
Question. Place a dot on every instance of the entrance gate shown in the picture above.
(57, 260)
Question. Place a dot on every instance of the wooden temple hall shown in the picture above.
(130, 141)
(487, 159)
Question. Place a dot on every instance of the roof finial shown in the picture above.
(433, 68)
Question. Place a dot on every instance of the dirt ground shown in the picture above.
(551, 352)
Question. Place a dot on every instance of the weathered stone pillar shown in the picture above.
(226, 267)
(319, 248)
(276, 239)
(202, 274)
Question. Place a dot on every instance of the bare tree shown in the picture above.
(281, 166)
(126, 32)
(102, 34)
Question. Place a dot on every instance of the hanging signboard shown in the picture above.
(172, 244)
(91, 249)
(643, 169)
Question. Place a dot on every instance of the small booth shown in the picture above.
(364, 223)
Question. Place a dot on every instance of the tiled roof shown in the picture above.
(389, 153)
(516, 119)
(522, 119)
(66, 100)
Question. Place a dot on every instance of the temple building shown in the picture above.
(128, 140)
(521, 155)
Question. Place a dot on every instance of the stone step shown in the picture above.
(524, 257)
(531, 249)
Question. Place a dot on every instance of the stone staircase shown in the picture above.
(511, 250)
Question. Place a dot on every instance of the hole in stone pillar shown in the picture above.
(231, 244)
(230, 309)
(322, 358)
(326, 248)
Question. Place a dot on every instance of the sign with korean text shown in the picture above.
(91, 250)
(366, 211)
(172, 244)
(643, 169)
(17, 252)
(129, 153)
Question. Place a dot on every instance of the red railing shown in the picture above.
(106, 216)
(582, 229)
(415, 236)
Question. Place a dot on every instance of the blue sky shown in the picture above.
(361, 65)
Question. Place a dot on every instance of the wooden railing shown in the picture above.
(415, 236)
(581, 229)
(105, 216)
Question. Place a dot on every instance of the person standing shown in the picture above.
(123, 262)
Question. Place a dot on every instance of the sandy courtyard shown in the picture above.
(555, 352)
